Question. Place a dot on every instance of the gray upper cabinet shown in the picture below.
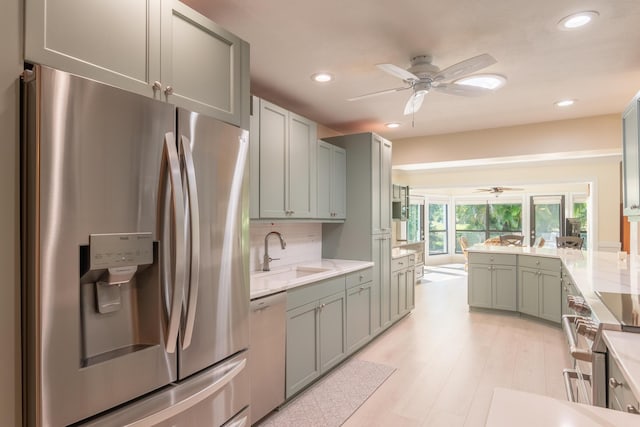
(332, 181)
(631, 159)
(133, 45)
(287, 166)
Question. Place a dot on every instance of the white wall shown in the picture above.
(304, 243)
(10, 68)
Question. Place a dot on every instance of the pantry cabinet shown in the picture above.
(287, 167)
(631, 159)
(154, 48)
(332, 181)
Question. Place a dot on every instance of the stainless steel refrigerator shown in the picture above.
(135, 259)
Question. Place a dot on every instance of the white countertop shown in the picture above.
(277, 280)
(400, 252)
(624, 347)
(511, 408)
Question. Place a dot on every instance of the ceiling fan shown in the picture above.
(497, 190)
(423, 77)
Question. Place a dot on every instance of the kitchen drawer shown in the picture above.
(359, 277)
(485, 258)
(314, 291)
(399, 263)
(620, 395)
(542, 263)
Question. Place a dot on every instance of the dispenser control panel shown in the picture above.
(120, 249)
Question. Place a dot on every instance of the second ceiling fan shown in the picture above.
(423, 77)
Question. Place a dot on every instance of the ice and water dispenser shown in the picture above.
(120, 293)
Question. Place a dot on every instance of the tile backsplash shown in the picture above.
(304, 243)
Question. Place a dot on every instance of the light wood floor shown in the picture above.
(448, 360)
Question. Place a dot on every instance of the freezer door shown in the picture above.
(216, 320)
(95, 313)
(218, 396)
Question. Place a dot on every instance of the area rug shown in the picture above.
(332, 400)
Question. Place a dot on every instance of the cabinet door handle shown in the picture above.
(157, 85)
(613, 383)
(634, 206)
(168, 91)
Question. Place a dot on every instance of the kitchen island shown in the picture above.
(588, 274)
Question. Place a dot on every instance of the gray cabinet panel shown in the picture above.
(394, 295)
(302, 167)
(97, 40)
(359, 324)
(332, 318)
(273, 161)
(631, 159)
(302, 363)
(132, 45)
(331, 196)
(479, 286)
(504, 287)
(380, 311)
(254, 159)
(411, 288)
(287, 163)
(550, 293)
(528, 291)
(211, 83)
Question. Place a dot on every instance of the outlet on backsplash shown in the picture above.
(304, 243)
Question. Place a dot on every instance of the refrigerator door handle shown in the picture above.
(194, 221)
(189, 402)
(170, 159)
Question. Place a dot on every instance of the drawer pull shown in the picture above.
(613, 383)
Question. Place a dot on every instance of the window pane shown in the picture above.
(438, 229)
(473, 237)
(437, 242)
(505, 217)
(471, 217)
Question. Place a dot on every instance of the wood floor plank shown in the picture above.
(449, 360)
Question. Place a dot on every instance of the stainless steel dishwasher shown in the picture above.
(267, 354)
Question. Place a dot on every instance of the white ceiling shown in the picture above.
(291, 39)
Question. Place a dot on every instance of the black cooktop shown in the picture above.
(625, 307)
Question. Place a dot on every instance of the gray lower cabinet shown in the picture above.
(540, 287)
(316, 331)
(402, 286)
(492, 281)
(152, 48)
(359, 318)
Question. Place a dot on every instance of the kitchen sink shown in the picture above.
(289, 274)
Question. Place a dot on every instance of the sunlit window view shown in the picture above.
(479, 222)
(438, 229)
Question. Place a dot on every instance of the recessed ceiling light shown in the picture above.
(565, 103)
(322, 77)
(486, 81)
(393, 125)
(577, 20)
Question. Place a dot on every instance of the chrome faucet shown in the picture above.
(267, 258)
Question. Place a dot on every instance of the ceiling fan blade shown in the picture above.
(467, 66)
(381, 92)
(511, 189)
(414, 103)
(462, 90)
(396, 71)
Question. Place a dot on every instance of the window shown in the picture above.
(438, 229)
(580, 213)
(479, 222)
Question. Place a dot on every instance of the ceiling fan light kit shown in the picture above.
(423, 77)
